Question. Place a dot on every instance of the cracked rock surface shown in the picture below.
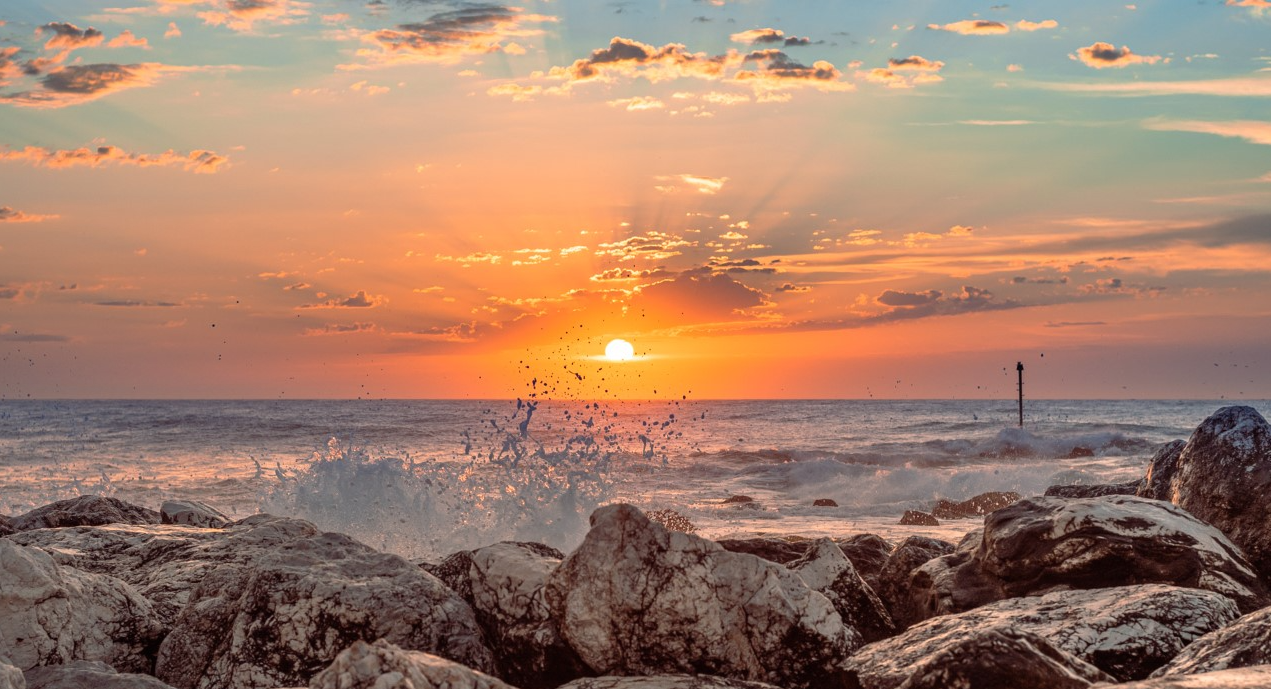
(826, 569)
(10, 676)
(86, 674)
(894, 578)
(1243, 678)
(192, 513)
(1003, 657)
(86, 510)
(382, 665)
(1244, 643)
(665, 682)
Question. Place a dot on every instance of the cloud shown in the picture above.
(136, 303)
(996, 123)
(909, 305)
(627, 275)
(1250, 130)
(652, 245)
(468, 260)
(357, 300)
(701, 183)
(896, 298)
(698, 298)
(1257, 87)
(792, 288)
(242, 15)
(31, 337)
(637, 103)
(905, 73)
(972, 27)
(341, 329)
(768, 37)
(476, 29)
(1104, 55)
(1025, 25)
(69, 37)
(8, 215)
(197, 161)
(127, 40)
(914, 63)
(75, 84)
(1249, 3)
(1023, 280)
(778, 72)
(631, 58)
(173, 31)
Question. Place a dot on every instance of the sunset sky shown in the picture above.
(404, 198)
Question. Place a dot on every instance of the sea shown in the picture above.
(426, 478)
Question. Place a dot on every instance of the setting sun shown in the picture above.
(619, 350)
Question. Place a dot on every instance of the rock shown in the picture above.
(824, 568)
(672, 520)
(10, 676)
(893, 579)
(665, 682)
(977, 506)
(281, 617)
(86, 510)
(738, 500)
(1043, 544)
(637, 599)
(1223, 477)
(777, 550)
(1243, 678)
(1245, 643)
(382, 665)
(88, 674)
(916, 518)
(1003, 657)
(1160, 471)
(868, 553)
(1094, 491)
(6, 526)
(504, 585)
(1127, 631)
(1079, 451)
(51, 614)
(192, 513)
(824, 502)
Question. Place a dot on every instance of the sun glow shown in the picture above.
(619, 350)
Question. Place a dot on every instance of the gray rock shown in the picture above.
(916, 518)
(192, 513)
(1043, 544)
(1003, 657)
(977, 506)
(6, 526)
(826, 569)
(894, 578)
(10, 676)
(51, 614)
(868, 553)
(1160, 472)
(637, 599)
(665, 682)
(86, 510)
(1097, 490)
(1127, 632)
(280, 618)
(382, 665)
(1224, 476)
(778, 550)
(1245, 643)
(88, 674)
(824, 502)
(1243, 678)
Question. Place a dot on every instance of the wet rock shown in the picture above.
(1223, 477)
(1243, 678)
(637, 599)
(738, 500)
(192, 513)
(672, 520)
(826, 569)
(868, 553)
(1043, 544)
(778, 550)
(6, 526)
(51, 614)
(1127, 631)
(824, 502)
(1079, 451)
(87, 674)
(504, 585)
(916, 518)
(382, 665)
(1003, 657)
(86, 510)
(894, 578)
(10, 676)
(1160, 471)
(665, 682)
(1095, 490)
(977, 506)
(1245, 643)
(280, 618)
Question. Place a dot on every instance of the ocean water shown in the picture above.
(426, 478)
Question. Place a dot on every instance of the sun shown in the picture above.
(619, 350)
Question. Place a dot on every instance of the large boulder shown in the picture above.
(6, 526)
(1160, 471)
(1245, 643)
(637, 599)
(1243, 678)
(1003, 657)
(88, 674)
(1097, 490)
(279, 619)
(779, 550)
(977, 506)
(1127, 632)
(382, 665)
(665, 682)
(86, 510)
(1043, 544)
(894, 578)
(868, 553)
(10, 676)
(51, 614)
(192, 513)
(826, 569)
(1224, 476)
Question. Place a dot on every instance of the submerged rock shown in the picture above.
(637, 599)
(826, 569)
(1243, 678)
(87, 674)
(86, 510)
(1127, 631)
(665, 682)
(916, 518)
(1223, 476)
(894, 578)
(1003, 657)
(977, 506)
(1097, 490)
(382, 665)
(1244, 643)
(1160, 471)
(192, 513)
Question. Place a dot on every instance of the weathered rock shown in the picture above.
(10, 676)
(86, 510)
(51, 614)
(88, 674)
(738, 500)
(382, 665)
(1003, 657)
(1243, 678)
(868, 553)
(893, 580)
(6, 526)
(977, 506)
(672, 520)
(1096, 490)
(1245, 643)
(778, 550)
(192, 513)
(1160, 471)
(1224, 476)
(826, 569)
(504, 585)
(824, 502)
(1043, 544)
(279, 619)
(635, 598)
(665, 682)
(916, 518)
(1127, 631)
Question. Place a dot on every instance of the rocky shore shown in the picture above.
(1157, 584)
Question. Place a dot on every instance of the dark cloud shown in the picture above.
(474, 29)
(1022, 280)
(69, 37)
(75, 84)
(341, 329)
(197, 161)
(357, 300)
(8, 214)
(779, 71)
(1103, 55)
(893, 297)
(132, 303)
(632, 58)
(793, 288)
(1073, 324)
(699, 298)
(32, 337)
(769, 37)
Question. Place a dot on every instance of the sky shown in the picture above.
(768, 199)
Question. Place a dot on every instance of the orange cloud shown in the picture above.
(357, 300)
(242, 15)
(75, 84)
(127, 40)
(69, 37)
(896, 74)
(450, 36)
(768, 36)
(777, 71)
(341, 329)
(915, 63)
(1025, 25)
(1249, 3)
(1103, 55)
(630, 58)
(972, 27)
(1232, 87)
(7, 215)
(1253, 131)
(197, 161)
